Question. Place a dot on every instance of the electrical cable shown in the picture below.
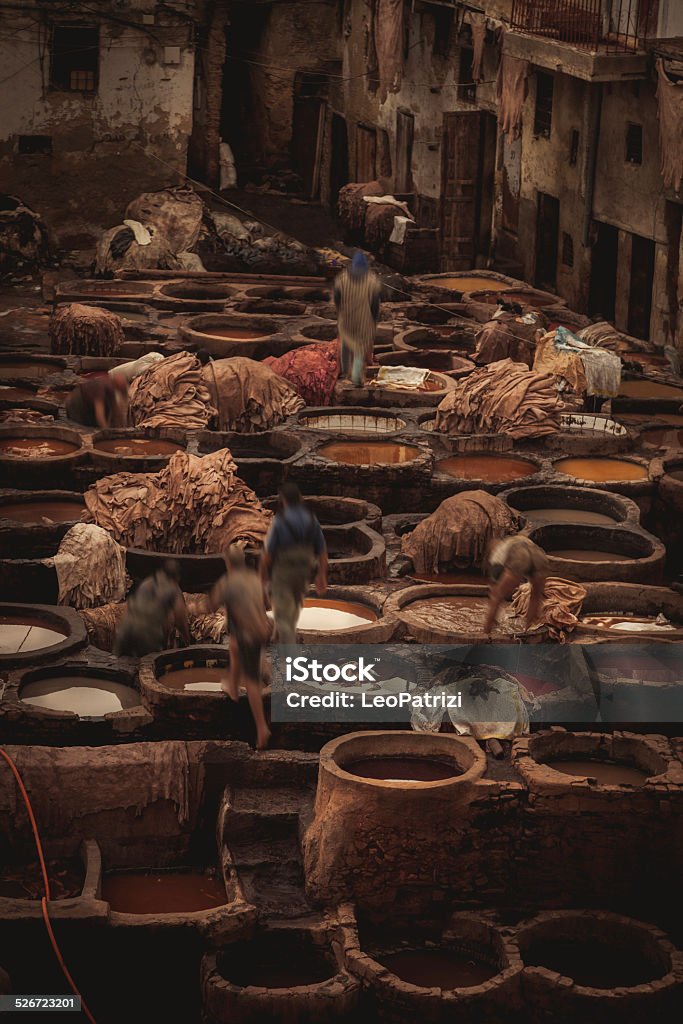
(46, 884)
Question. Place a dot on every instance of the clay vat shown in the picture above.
(469, 280)
(369, 454)
(358, 422)
(135, 451)
(282, 307)
(587, 760)
(484, 467)
(430, 359)
(233, 334)
(447, 614)
(352, 811)
(356, 553)
(283, 974)
(345, 615)
(553, 504)
(324, 330)
(80, 691)
(467, 964)
(390, 473)
(197, 294)
(32, 523)
(610, 607)
(588, 553)
(670, 473)
(32, 633)
(331, 511)
(586, 434)
(291, 291)
(32, 454)
(602, 470)
(524, 296)
(598, 967)
(74, 882)
(462, 339)
(263, 459)
(17, 366)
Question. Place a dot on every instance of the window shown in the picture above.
(443, 26)
(469, 93)
(543, 117)
(35, 144)
(74, 58)
(567, 250)
(574, 148)
(634, 143)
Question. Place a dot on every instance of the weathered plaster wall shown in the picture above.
(106, 146)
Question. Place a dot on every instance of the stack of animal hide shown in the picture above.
(311, 369)
(249, 396)
(78, 330)
(171, 393)
(91, 568)
(561, 605)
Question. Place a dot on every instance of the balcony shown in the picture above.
(597, 40)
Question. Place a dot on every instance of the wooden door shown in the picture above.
(547, 240)
(405, 132)
(603, 284)
(306, 138)
(366, 153)
(460, 188)
(640, 294)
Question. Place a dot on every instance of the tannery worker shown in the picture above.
(153, 611)
(357, 292)
(511, 562)
(242, 594)
(295, 551)
(100, 401)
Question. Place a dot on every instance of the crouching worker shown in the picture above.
(240, 591)
(295, 552)
(153, 612)
(512, 561)
(99, 401)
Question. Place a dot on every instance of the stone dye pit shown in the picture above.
(84, 695)
(42, 512)
(601, 470)
(164, 892)
(35, 447)
(371, 453)
(19, 635)
(482, 466)
(132, 446)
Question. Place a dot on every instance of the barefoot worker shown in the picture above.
(241, 592)
(512, 561)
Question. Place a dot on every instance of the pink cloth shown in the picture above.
(312, 370)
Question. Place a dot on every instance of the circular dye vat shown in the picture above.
(649, 389)
(607, 773)
(403, 769)
(462, 614)
(42, 511)
(85, 696)
(15, 394)
(35, 447)
(353, 423)
(471, 577)
(197, 291)
(628, 623)
(276, 962)
(592, 963)
(13, 371)
(196, 679)
(126, 446)
(328, 616)
(235, 333)
(677, 474)
(470, 283)
(590, 555)
(18, 635)
(437, 968)
(372, 453)
(568, 515)
(601, 470)
(661, 437)
(163, 892)
(485, 467)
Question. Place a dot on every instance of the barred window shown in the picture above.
(74, 58)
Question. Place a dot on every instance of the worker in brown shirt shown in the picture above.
(241, 592)
(511, 562)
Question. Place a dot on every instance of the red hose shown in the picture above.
(46, 884)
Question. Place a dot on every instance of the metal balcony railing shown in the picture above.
(609, 25)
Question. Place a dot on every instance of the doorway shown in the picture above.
(310, 103)
(603, 285)
(640, 290)
(339, 158)
(405, 133)
(460, 189)
(547, 241)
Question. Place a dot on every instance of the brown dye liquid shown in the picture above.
(485, 467)
(592, 963)
(600, 470)
(403, 769)
(590, 555)
(616, 622)
(36, 447)
(235, 333)
(677, 474)
(42, 511)
(25, 881)
(329, 616)
(275, 965)
(663, 438)
(461, 614)
(470, 283)
(649, 389)
(192, 679)
(567, 515)
(15, 394)
(85, 696)
(608, 773)
(18, 635)
(138, 446)
(437, 968)
(163, 892)
(372, 453)
(10, 371)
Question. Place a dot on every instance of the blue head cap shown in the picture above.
(359, 264)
